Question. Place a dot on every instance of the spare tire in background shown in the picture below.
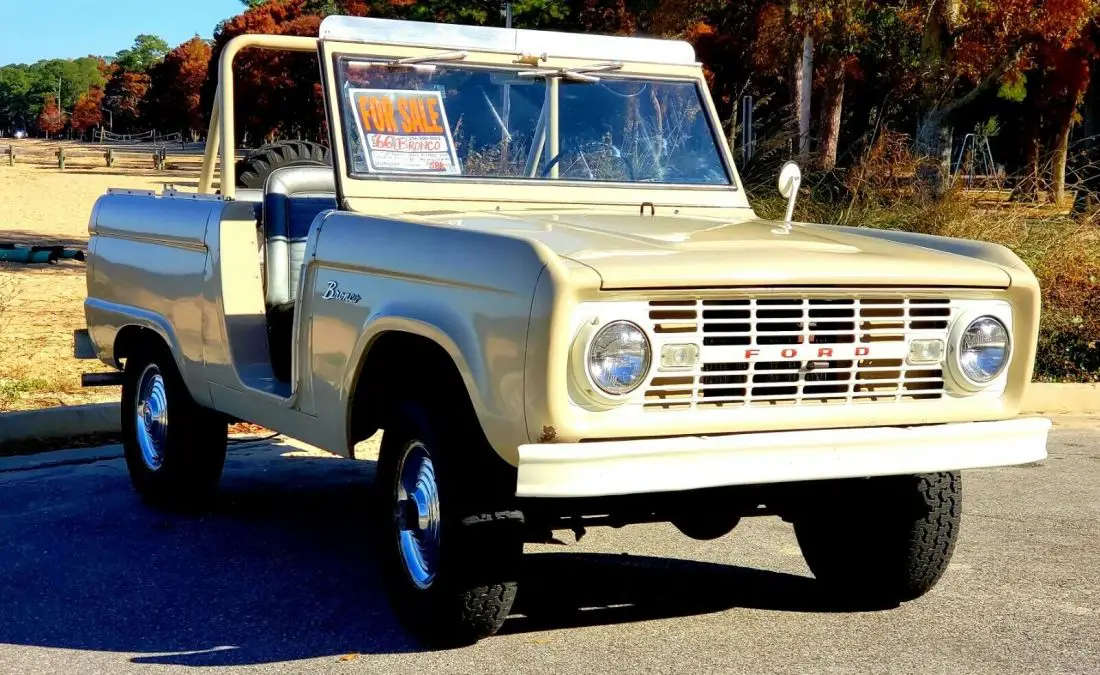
(253, 170)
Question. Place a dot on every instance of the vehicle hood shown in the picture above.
(644, 251)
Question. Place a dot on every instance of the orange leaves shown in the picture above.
(87, 112)
(1009, 31)
(176, 86)
(51, 120)
(773, 38)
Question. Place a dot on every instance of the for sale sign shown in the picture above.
(404, 131)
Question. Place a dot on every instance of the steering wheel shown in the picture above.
(581, 150)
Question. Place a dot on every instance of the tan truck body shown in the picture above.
(509, 277)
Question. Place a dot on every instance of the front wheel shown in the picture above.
(882, 541)
(174, 448)
(450, 552)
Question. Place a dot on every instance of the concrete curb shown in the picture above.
(67, 421)
(1067, 399)
(103, 418)
(54, 458)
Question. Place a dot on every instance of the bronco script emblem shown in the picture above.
(333, 292)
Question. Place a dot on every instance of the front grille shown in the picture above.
(798, 351)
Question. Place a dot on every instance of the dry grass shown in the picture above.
(41, 305)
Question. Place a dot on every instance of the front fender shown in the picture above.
(465, 290)
(495, 390)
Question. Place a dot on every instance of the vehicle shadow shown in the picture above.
(30, 238)
(282, 568)
(570, 590)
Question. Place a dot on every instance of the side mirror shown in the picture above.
(790, 177)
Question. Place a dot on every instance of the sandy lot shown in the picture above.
(43, 304)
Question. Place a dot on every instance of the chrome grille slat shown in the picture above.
(798, 322)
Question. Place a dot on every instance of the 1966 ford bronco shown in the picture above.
(528, 259)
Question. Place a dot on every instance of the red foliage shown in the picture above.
(607, 16)
(51, 120)
(277, 93)
(980, 38)
(124, 94)
(87, 112)
(174, 100)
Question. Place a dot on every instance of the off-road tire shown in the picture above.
(882, 541)
(194, 444)
(253, 170)
(481, 538)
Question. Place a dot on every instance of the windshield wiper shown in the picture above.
(574, 74)
(438, 56)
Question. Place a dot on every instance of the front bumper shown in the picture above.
(606, 468)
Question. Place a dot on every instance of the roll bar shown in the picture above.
(220, 133)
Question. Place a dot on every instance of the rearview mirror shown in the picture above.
(790, 177)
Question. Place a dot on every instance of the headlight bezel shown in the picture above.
(965, 383)
(582, 350)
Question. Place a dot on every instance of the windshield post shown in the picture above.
(552, 107)
(534, 158)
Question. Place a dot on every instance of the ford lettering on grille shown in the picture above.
(798, 350)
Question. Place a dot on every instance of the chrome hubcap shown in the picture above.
(151, 410)
(417, 514)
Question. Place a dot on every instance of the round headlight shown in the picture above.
(983, 350)
(618, 358)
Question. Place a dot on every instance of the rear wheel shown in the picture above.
(174, 448)
(450, 548)
(883, 541)
(253, 170)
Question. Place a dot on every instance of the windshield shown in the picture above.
(493, 123)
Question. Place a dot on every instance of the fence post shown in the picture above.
(11, 155)
(61, 158)
(110, 156)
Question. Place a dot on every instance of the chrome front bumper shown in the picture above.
(686, 463)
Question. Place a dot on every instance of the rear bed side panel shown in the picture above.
(148, 259)
(468, 291)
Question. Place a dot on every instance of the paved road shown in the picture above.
(279, 578)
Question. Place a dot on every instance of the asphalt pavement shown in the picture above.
(280, 577)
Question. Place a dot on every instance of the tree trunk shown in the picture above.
(831, 109)
(806, 76)
(1058, 166)
(1090, 175)
(1028, 188)
(934, 134)
(797, 95)
(934, 143)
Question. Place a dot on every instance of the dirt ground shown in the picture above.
(41, 305)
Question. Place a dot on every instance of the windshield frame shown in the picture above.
(346, 132)
(351, 184)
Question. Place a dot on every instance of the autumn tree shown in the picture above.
(1055, 88)
(88, 113)
(174, 99)
(277, 94)
(840, 29)
(123, 95)
(128, 80)
(783, 48)
(51, 120)
(970, 47)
